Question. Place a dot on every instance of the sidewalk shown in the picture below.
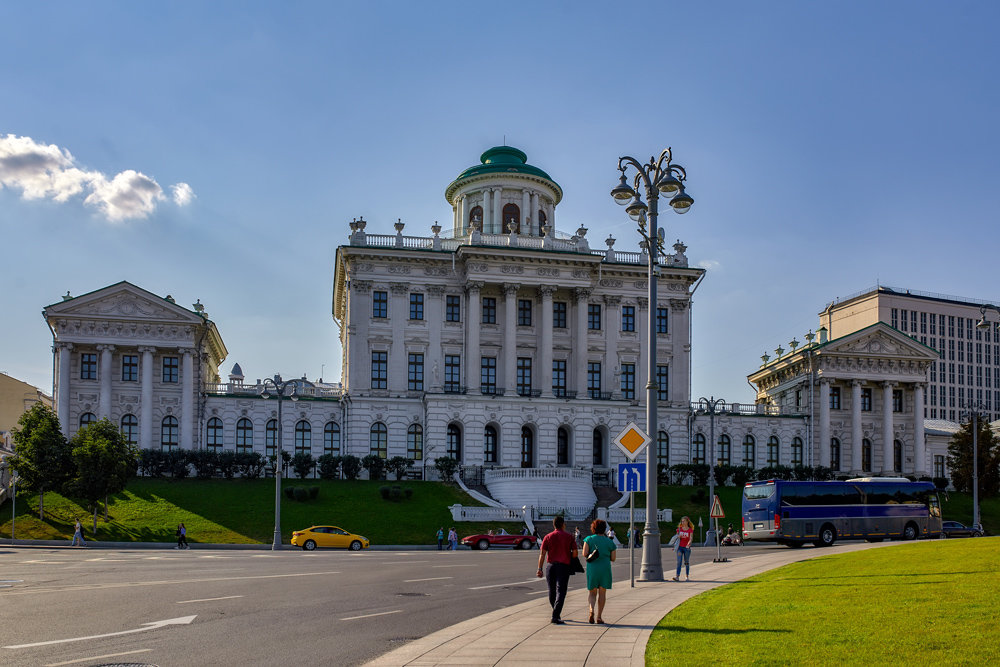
(522, 634)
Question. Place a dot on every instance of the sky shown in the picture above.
(217, 151)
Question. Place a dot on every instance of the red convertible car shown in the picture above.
(483, 542)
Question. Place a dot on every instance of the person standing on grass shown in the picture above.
(440, 537)
(685, 533)
(598, 570)
(78, 534)
(559, 547)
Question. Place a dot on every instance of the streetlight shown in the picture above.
(710, 407)
(659, 176)
(279, 389)
(974, 409)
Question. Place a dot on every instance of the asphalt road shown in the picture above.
(199, 607)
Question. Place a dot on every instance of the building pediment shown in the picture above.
(123, 301)
(878, 341)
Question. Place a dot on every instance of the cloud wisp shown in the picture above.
(42, 171)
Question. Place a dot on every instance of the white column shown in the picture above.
(526, 213)
(614, 323)
(399, 314)
(679, 330)
(535, 221)
(919, 445)
(580, 341)
(487, 212)
(498, 221)
(435, 361)
(461, 229)
(642, 368)
(472, 324)
(146, 401)
(510, 337)
(63, 382)
(887, 453)
(187, 399)
(545, 292)
(856, 433)
(107, 351)
(552, 216)
(824, 424)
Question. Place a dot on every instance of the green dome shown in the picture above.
(503, 159)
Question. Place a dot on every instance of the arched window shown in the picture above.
(415, 442)
(168, 433)
(331, 438)
(378, 440)
(130, 429)
(598, 447)
(244, 436)
(834, 454)
(725, 453)
(475, 214)
(87, 418)
(562, 446)
(866, 455)
(662, 449)
(527, 447)
(796, 451)
(542, 220)
(749, 450)
(453, 442)
(489, 445)
(698, 449)
(271, 437)
(511, 213)
(773, 450)
(303, 437)
(897, 455)
(213, 439)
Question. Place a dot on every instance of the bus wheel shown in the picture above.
(827, 536)
(910, 532)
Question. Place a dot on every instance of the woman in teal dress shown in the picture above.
(599, 569)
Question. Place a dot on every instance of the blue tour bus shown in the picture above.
(794, 513)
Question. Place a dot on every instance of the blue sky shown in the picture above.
(217, 151)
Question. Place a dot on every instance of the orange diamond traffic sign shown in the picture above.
(632, 440)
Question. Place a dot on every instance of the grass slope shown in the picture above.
(930, 602)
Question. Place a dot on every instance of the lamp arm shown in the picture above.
(640, 177)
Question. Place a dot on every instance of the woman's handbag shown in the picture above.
(575, 565)
(593, 555)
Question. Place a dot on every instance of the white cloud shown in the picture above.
(42, 171)
(709, 264)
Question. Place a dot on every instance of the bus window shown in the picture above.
(758, 492)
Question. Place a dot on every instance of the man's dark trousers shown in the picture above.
(558, 580)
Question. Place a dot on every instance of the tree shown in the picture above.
(375, 465)
(398, 465)
(103, 462)
(41, 454)
(329, 466)
(446, 467)
(302, 464)
(988, 459)
(350, 465)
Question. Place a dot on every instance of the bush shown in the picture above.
(822, 474)
(700, 496)
(350, 466)
(177, 463)
(313, 492)
(408, 492)
(328, 466)
(227, 462)
(395, 494)
(941, 483)
(375, 465)
(301, 494)
(723, 472)
(741, 475)
(802, 473)
(250, 464)
(775, 472)
(446, 467)
(154, 462)
(302, 464)
(205, 462)
(398, 465)
(290, 492)
(384, 492)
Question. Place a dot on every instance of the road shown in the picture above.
(223, 607)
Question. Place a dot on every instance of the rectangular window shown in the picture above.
(894, 319)
(594, 316)
(933, 325)
(489, 310)
(559, 314)
(524, 376)
(951, 326)
(628, 318)
(902, 320)
(559, 378)
(453, 308)
(415, 372)
(923, 323)
(628, 381)
(380, 304)
(130, 367)
(524, 312)
(939, 465)
(662, 320)
(488, 375)
(88, 366)
(594, 378)
(380, 370)
(170, 369)
(834, 398)
(866, 400)
(662, 388)
(416, 306)
(452, 373)
(913, 321)
(897, 400)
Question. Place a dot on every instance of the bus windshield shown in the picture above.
(758, 492)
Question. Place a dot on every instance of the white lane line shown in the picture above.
(538, 592)
(109, 560)
(456, 565)
(381, 613)
(413, 581)
(228, 597)
(516, 583)
(180, 620)
(129, 584)
(98, 657)
(404, 562)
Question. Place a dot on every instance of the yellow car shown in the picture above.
(328, 536)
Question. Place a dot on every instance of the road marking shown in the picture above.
(413, 581)
(538, 592)
(98, 657)
(109, 560)
(129, 584)
(381, 613)
(180, 620)
(404, 562)
(61, 562)
(516, 583)
(228, 597)
(455, 565)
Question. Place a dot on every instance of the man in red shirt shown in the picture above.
(559, 546)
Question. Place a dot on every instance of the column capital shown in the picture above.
(546, 291)
(509, 289)
(362, 286)
(679, 304)
(147, 348)
(856, 382)
(474, 285)
(612, 299)
(399, 288)
(643, 302)
(64, 346)
(888, 384)
(582, 293)
(186, 350)
(825, 381)
(105, 347)
(436, 290)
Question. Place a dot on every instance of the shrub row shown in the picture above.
(180, 463)
(302, 493)
(698, 473)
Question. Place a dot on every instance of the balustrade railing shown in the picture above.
(535, 473)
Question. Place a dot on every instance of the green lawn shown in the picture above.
(932, 602)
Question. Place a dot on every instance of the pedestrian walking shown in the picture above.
(598, 567)
(182, 542)
(685, 533)
(78, 534)
(576, 537)
(558, 547)
(440, 537)
(452, 539)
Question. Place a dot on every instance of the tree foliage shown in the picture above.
(103, 461)
(302, 464)
(398, 465)
(350, 466)
(988, 459)
(375, 465)
(41, 453)
(446, 467)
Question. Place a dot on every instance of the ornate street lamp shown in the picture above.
(657, 177)
(710, 407)
(972, 411)
(279, 389)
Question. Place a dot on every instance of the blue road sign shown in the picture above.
(631, 477)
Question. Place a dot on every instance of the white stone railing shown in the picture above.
(238, 389)
(747, 409)
(498, 474)
(621, 515)
(460, 513)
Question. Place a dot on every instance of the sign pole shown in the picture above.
(718, 542)
(717, 513)
(631, 537)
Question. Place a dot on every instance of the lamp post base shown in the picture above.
(651, 568)
(276, 542)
